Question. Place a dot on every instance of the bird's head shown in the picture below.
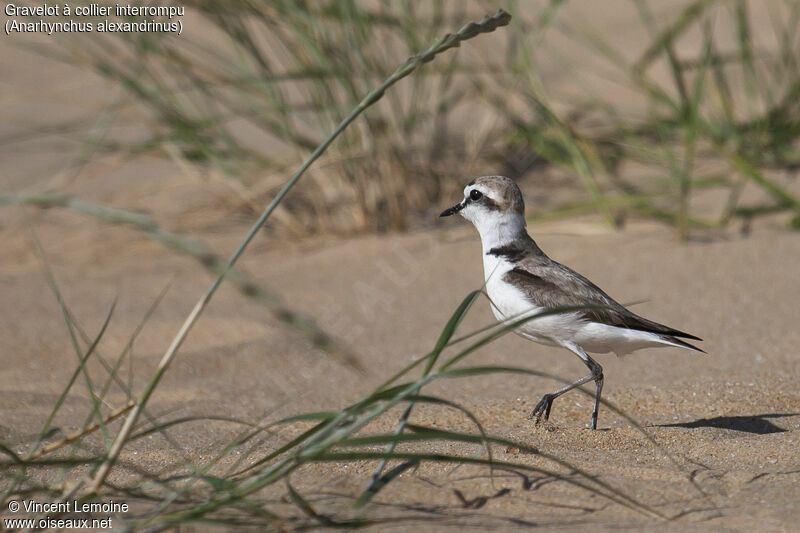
(494, 205)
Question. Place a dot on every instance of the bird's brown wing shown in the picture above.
(549, 284)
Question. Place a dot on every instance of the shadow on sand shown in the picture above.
(758, 424)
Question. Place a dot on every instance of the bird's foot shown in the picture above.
(542, 408)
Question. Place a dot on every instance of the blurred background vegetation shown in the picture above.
(696, 126)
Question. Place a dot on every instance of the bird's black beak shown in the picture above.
(455, 209)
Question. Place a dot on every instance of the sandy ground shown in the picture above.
(729, 420)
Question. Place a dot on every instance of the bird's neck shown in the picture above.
(502, 231)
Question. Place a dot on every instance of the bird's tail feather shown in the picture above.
(680, 343)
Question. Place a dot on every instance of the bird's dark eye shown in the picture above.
(475, 195)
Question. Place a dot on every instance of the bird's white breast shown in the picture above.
(509, 304)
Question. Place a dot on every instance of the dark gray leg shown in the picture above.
(596, 374)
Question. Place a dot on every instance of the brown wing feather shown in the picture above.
(549, 284)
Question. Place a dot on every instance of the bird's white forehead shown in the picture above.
(488, 191)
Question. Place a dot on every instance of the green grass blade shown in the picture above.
(450, 328)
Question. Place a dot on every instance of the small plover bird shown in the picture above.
(522, 281)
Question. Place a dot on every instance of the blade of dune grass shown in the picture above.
(83, 357)
(75, 439)
(113, 377)
(292, 443)
(379, 482)
(69, 439)
(113, 370)
(421, 433)
(487, 24)
(691, 118)
(450, 329)
(441, 343)
(748, 169)
(202, 474)
(675, 30)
